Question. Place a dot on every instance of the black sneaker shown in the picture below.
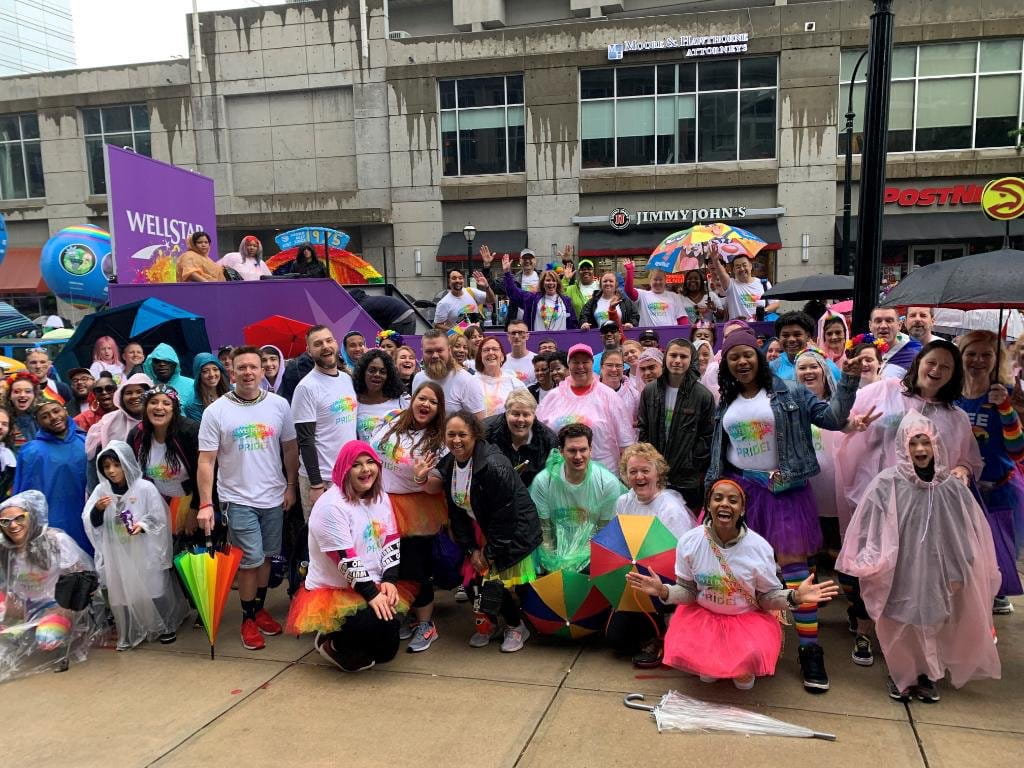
(894, 692)
(649, 657)
(168, 637)
(862, 654)
(927, 691)
(812, 665)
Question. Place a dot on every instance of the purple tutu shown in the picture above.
(788, 520)
(1003, 505)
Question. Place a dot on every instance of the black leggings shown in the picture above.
(851, 588)
(364, 638)
(694, 497)
(416, 564)
(629, 631)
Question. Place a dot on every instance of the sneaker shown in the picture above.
(744, 683)
(461, 596)
(812, 665)
(927, 690)
(251, 637)
(425, 634)
(168, 637)
(894, 692)
(1002, 606)
(515, 638)
(862, 653)
(266, 623)
(326, 650)
(406, 628)
(708, 679)
(649, 656)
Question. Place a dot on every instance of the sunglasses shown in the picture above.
(7, 522)
(106, 389)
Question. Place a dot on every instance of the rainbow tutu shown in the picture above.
(419, 514)
(326, 609)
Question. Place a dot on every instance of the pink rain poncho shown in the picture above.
(862, 455)
(924, 555)
(601, 409)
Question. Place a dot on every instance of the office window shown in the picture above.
(678, 113)
(963, 95)
(124, 125)
(483, 126)
(21, 164)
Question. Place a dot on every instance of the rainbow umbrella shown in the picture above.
(681, 251)
(631, 542)
(207, 574)
(565, 604)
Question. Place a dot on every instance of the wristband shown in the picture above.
(317, 487)
(205, 506)
(420, 482)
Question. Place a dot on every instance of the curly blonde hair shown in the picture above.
(645, 452)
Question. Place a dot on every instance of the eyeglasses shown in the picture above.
(106, 389)
(7, 522)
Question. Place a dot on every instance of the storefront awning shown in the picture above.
(929, 227)
(607, 242)
(453, 244)
(19, 272)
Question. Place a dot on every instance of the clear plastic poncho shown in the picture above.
(36, 634)
(924, 555)
(135, 569)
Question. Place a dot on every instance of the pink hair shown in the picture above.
(99, 342)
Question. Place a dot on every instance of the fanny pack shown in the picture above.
(774, 481)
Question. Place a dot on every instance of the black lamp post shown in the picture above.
(844, 253)
(468, 232)
(867, 275)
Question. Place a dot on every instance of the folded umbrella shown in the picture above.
(285, 333)
(631, 542)
(207, 574)
(565, 604)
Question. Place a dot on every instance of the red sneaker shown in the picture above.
(266, 623)
(251, 637)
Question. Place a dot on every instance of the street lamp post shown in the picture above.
(468, 232)
(844, 254)
(867, 275)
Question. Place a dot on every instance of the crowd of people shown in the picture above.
(889, 461)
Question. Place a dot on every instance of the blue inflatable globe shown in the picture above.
(76, 264)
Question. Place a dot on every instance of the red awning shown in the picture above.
(19, 272)
(606, 242)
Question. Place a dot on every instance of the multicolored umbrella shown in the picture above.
(565, 604)
(631, 542)
(682, 251)
(208, 574)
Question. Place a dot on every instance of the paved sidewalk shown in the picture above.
(553, 704)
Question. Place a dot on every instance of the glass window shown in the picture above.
(757, 124)
(635, 135)
(482, 125)
(757, 72)
(597, 133)
(717, 121)
(667, 78)
(21, 165)
(677, 129)
(634, 81)
(687, 78)
(956, 107)
(717, 75)
(597, 83)
(123, 125)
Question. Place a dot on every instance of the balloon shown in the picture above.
(76, 264)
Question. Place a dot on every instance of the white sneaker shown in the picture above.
(708, 679)
(515, 638)
(744, 684)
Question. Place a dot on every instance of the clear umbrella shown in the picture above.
(678, 712)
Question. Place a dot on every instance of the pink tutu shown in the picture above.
(722, 645)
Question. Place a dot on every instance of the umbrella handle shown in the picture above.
(823, 736)
(631, 701)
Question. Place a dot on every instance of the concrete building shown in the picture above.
(35, 36)
(604, 125)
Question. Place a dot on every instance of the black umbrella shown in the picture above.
(812, 287)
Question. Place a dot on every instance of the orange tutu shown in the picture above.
(419, 514)
(325, 609)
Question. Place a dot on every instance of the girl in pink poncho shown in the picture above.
(832, 335)
(923, 552)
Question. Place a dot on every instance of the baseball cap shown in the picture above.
(585, 263)
(575, 348)
(649, 334)
(75, 371)
(608, 326)
(527, 252)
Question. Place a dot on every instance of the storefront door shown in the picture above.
(923, 255)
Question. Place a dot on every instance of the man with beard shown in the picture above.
(249, 436)
(920, 321)
(81, 385)
(53, 462)
(575, 498)
(324, 409)
(794, 330)
(462, 390)
(884, 324)
(460, 302)
(163, 367)
(101, 401)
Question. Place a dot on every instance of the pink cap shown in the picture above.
(580, 348)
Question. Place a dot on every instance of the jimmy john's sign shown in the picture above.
(621, 218)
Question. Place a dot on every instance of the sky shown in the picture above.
(110, 32)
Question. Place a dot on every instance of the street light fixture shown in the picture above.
(469, 232)
(844, 253)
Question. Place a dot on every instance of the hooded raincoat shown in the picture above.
(56, 466)
(144, 597)
(183, 384)
(118, 423)
(33, 628)
(823, 344)
(923, 553)
(194, 409)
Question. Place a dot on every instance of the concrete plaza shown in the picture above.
(554, 704)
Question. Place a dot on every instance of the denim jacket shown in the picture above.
(795, 409)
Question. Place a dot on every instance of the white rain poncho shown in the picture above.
(135, 570)
(36, 634)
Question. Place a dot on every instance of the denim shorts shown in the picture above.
(254, 530)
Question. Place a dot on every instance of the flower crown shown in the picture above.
(866, 338)
(387, 333)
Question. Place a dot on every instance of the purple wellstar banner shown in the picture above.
(154, 207)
